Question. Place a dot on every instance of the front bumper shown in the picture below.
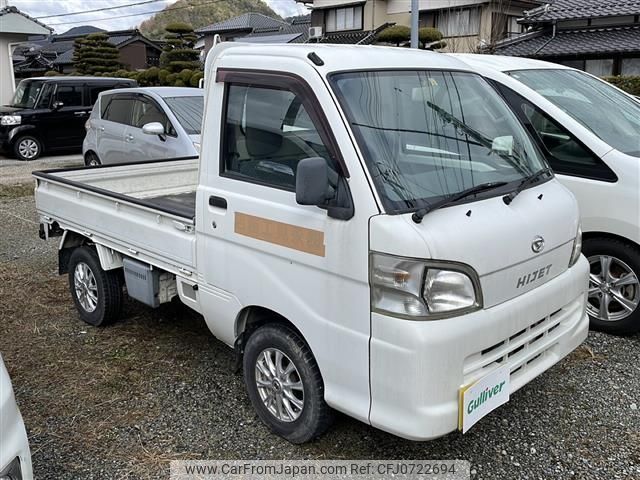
(13, 435)
(417, 367)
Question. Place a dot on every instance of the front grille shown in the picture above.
(520, 350)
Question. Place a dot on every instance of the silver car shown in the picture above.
(140, 124)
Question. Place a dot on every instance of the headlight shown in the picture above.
(196, 145)
(577, 248)
(422, 290)
(10, 120)
(12, 471)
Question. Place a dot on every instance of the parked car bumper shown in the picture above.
(418, 368)
(14, 446)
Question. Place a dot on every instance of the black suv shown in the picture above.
(49, 113)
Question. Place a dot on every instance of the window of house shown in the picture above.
(630, 66)
(267, 132)
(513, 27)
(599, 68)
(117, 109)
(460, 22)
(70, 95)
(564, 152)
(339, 19)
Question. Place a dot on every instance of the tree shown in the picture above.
(430, 38)
(94, 54)
(179, 53)
(395, 34)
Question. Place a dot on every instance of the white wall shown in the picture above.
(401, 6)
(6, 67)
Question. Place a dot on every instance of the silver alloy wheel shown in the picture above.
(86, 287)
(614, 289)
(279, 385)
(28, 148)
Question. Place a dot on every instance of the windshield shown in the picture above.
(427, 135)
(188, 111)
(26, 94)
(611, 115)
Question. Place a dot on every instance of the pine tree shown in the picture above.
(179, 53)
(94, 54)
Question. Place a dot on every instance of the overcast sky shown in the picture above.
(105, 20)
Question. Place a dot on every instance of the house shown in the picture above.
(600, 37)
(15, 27)
(55, 52)
(466, 24)
(236, 27)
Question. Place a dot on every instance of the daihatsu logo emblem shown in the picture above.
(538, 244)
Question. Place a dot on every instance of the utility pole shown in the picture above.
(415, 15)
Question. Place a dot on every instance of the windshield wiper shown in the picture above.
(530, 180)
(483, 187)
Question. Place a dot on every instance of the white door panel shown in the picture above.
(257, 242)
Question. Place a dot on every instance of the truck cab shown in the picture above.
(370, 234)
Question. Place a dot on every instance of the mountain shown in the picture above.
(202, 13)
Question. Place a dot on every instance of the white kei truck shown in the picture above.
(370, 228)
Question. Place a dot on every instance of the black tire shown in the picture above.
(91, 159)
(108, 288)
(629, 254)
(27, 148)
(315, 415)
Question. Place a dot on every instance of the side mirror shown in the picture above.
(57, 105)
(153, 128)
(315, 182)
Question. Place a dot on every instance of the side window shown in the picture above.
(118, 109)
(70, 95)
(95, 90)
(267, 131)
(565, 153)
(45, 98)
(146, 111)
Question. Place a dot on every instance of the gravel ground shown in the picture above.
(14, 171)
(120, 402)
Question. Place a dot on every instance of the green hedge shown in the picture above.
(628, 84)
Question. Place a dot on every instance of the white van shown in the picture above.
(371, 233)
(590, 133)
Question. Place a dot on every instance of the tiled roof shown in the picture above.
(579, 9)
(299, 28)
(65, 58)
(248, 21)
(574, 42)
(364, 37)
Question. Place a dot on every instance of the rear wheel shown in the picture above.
(96, 293)
(614, 285)
(27, 148)
(284, 384)
(92, 160)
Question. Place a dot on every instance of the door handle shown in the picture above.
(128, 138)
(80, 114)
(101, 129)
(218, 202)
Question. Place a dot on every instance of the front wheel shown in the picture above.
(92, 160)
(96, 293)
(614, 285)
(284, 384)
(27, 148)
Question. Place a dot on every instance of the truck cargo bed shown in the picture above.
(147, 208)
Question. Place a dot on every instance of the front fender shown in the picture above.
(19, 130)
